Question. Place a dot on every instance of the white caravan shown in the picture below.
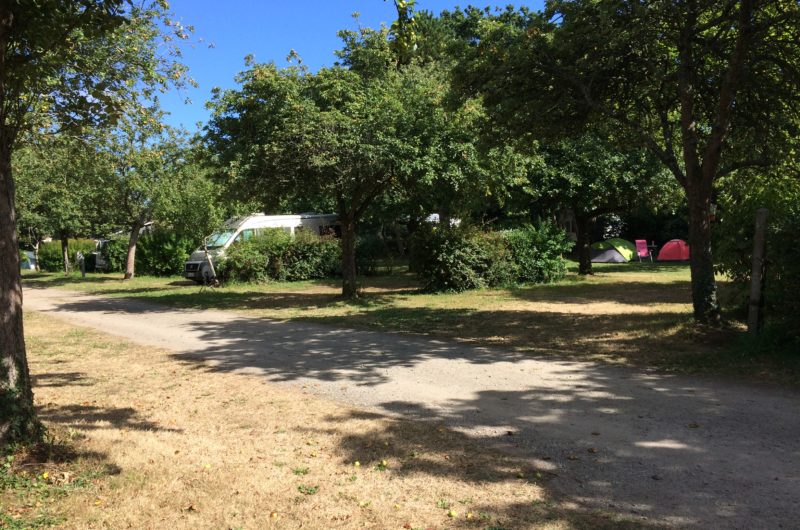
(243, 228)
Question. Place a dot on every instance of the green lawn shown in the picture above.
(637, 314)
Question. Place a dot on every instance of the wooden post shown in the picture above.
(754, 316)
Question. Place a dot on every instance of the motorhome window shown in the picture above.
(218, 239)
(244, 235)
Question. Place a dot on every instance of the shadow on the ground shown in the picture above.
(687, 451)
(90, 417)
(59, 379)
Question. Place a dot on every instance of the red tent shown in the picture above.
(674, 250)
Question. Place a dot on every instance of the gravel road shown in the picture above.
(668, 450)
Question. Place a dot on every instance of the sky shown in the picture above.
(225, 32)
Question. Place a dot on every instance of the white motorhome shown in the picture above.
(243, 228)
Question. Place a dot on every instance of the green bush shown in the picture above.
(449, 260)
(115, 253)
(453, 259)
(309, 256)
(733, 239)
(370, 252)
(538, 252)
(50, 253)
(162, 253)
(275, 255)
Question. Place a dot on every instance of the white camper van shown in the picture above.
(243, 228)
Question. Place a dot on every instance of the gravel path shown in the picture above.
(669, 450)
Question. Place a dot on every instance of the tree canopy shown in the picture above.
(709, 87)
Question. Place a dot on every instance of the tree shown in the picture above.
(145, 162)
(63, 64)
(593, 177)
(347, 134)
(708, 86)
(58, 192)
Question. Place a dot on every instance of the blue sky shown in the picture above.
(268, 29)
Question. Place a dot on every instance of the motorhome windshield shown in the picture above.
(218, 239)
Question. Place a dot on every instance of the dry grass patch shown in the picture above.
(162, 445)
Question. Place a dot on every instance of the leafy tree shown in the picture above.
(593, 177)
(146, 163)
(58, 191)
(708, 86)
(64, 64)
(348, 134)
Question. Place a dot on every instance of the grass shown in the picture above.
(154, 443)
(635, 314)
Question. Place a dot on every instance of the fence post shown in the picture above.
(754, 315)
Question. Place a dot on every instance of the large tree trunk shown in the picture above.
(701, 261)
(583, 228)
(17, 415)
(349, 280)
(130, 261)
(65, 251)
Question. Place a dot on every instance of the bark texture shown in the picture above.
(17, 415)
(583, 227)
(349, 279)
(130, 261)
(704, 285)
(65, 251)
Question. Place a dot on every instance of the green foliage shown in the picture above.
(370, 251)
(453, 260)
(115, 253)
(50, 258)
(738, 201)
(538, 251)
(274, 254)
(448, 260)
(163, 253)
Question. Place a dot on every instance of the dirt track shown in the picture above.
(672, 450)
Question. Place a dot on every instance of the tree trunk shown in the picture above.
(583, 228)
(398, 238)
(36, 255)
(17, 416)
(349, 281)
(130, 261)
(65, 251)
(701, 261)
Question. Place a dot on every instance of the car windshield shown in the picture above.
(218, 239)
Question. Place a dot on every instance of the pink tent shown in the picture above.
(674, 250)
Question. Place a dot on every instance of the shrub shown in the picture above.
(309, 256)
(449, 260)
(275, 255)
(733, 238)
(50, 253)
(162, 253)
(115, 253)
(370, 250)
(538, 252)
(452, 259)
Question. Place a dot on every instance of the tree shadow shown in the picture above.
(423, 447)
(679, 450)
(633, 292)
(61, 379)
(86, 417)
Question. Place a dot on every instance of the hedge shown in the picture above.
(455, 259)
(50, 253)
(275, 255)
